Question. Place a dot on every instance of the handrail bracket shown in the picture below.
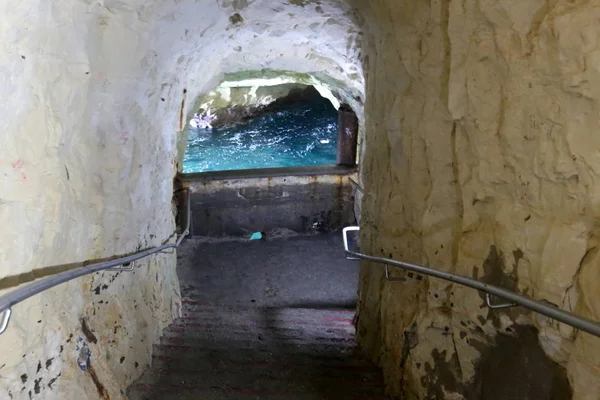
(488, 302)
(390, 278)
(126, 267)
(345, 235)
(5, 319)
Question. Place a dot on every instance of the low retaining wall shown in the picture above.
(237, 203)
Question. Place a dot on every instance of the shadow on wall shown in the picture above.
(517, 368)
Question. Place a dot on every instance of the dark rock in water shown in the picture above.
(227, 117)
(231, 116)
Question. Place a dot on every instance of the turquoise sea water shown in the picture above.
(303, 135)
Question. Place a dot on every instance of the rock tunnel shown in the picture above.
(479, 157)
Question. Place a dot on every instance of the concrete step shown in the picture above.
(250, 356)
(262, 340)
(314, 314)
(181, 391)
(269, 380)
(215, 372)
(315, 347)
(263, 323)
(192, 326)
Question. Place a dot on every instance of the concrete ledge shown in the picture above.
(236, 204)
(270, 173)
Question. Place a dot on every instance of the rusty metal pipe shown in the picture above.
(347, 136)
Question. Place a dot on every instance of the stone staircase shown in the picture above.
(259, 321)
(236, 352)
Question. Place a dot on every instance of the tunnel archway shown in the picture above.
(321, 43)
(268, 119)
(459, 99)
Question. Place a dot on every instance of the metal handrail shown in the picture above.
(127, 264)
(581, 323)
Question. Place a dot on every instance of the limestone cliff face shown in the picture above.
(481, 158)
(236, 104)
(247, 96)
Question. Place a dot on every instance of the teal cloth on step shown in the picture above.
(256, 235)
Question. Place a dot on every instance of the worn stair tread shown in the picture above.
(166, 365)
(265, 316)
(259, 355)
(265, 385)
(261, 322)
(330, 366)
(250, 340)
(200, 330)
(182, 392)
(250, 309)
(265, 376)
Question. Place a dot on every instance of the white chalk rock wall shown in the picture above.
(86, 174)
(482, 159)
(94, 94)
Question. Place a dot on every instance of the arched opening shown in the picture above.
(253, 127)
(266, 119)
